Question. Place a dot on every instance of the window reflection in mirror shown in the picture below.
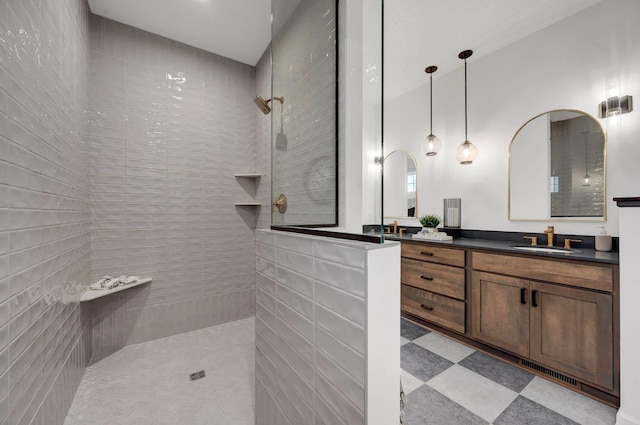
(557, 168)
(400, 185)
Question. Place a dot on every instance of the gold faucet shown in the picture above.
(567, 242)
(550, 233)
(534, 240)
(395, 226)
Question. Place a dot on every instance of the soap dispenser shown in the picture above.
(603, 241)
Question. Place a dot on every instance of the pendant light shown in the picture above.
(431, 144)
(586, 181)
(467, 152)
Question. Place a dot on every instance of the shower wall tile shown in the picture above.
(45, 245)
(310, 362)
(169, 127)
(263, 140)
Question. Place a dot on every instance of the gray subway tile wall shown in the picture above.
(45, 245)
(304, 60)
(263, 141)
(118, 150)
(310, 363)
(170, 125)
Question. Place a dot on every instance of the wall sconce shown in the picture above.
(615, 105)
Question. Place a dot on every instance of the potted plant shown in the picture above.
(430, 222)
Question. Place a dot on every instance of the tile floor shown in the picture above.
(149, 383)
(450, 383)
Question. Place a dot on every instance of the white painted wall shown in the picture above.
(567, 65)
(529, 169)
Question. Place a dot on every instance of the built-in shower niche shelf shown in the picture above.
(247, 204)
(92, 294)
(247, 176)
(249, 183)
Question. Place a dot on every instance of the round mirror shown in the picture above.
(400, 185)
(557, 168)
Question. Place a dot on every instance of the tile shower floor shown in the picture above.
(450, 383)
(148, 383)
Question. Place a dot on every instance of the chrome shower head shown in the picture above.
(262, 104)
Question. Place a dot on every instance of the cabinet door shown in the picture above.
(500, 311)
(572, 331)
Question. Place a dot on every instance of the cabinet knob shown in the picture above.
(523, 292)
(426, 278)
(534, 301)
(426, 307)
(428, 254)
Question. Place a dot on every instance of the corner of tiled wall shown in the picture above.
(263, 140)
(170, 126)
(118, 150)
(44, 207)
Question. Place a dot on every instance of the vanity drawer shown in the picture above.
(435, 308)
(585, 276)
(444, 280)
(433, 254)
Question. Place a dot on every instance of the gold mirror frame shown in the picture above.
(604, 181)
(415, 162)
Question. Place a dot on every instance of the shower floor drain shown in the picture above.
(197, 375)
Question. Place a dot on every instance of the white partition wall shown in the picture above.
(327, 325)
(629, 413)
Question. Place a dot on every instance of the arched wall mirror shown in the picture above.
(557, 168)
(400, 185)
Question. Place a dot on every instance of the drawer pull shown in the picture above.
(523, 291)
(426, 307)
(534, 302)
(428, 254)
(426, 278)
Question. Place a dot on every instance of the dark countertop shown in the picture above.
(633, 201)
(584, 254)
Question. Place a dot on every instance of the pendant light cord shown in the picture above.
(430, 103)
(466, 139)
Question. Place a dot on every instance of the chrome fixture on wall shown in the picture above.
(264, 104)
(431, 144)
(615, 105)
(467, 152)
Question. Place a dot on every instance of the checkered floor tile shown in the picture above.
(448, 383)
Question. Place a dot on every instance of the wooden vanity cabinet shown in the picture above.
(433, 284)
(569, 329)
(556, 316)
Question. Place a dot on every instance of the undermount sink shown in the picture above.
(547, 249)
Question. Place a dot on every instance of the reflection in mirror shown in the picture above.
(557, 168)
(400, 186)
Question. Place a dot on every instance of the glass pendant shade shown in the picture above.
(466, 153)
(431, 145)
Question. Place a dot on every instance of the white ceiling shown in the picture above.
(420, 33)
(236, 29)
